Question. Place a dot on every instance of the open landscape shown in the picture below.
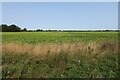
(66, 39)
(60, 54)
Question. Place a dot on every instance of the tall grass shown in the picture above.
(60, 55)
(53, 48)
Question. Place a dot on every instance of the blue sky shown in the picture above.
(60, 0)
(61, 15)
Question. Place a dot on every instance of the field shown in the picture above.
(59, 54)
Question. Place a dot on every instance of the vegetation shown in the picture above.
(58, 37)
(60, 54)
(14, 28)
(11, 28)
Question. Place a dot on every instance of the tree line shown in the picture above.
(14, 28)
(11, 28)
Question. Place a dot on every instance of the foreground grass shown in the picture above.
(60, 55)
(71, 61)
(60, 65)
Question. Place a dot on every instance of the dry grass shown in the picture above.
(67, 59)
(52, 48)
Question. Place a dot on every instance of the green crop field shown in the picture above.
(59, 54)
(57, 37)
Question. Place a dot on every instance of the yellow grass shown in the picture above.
(52, 48)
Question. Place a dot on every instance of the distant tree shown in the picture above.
(14, 28)
(24, 30)
(11, 28)
(49, 30)
(4, 27)
(107, 30)
(39, 30)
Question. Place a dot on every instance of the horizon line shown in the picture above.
(54, 29)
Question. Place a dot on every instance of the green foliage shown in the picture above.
(57, 37)
(59, 66)
(11, 28)
(62, 65)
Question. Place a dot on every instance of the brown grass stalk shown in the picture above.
(52, 48)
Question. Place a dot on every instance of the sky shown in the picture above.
(60, 0)
(61, 15)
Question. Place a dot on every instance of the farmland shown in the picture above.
(59, 54)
